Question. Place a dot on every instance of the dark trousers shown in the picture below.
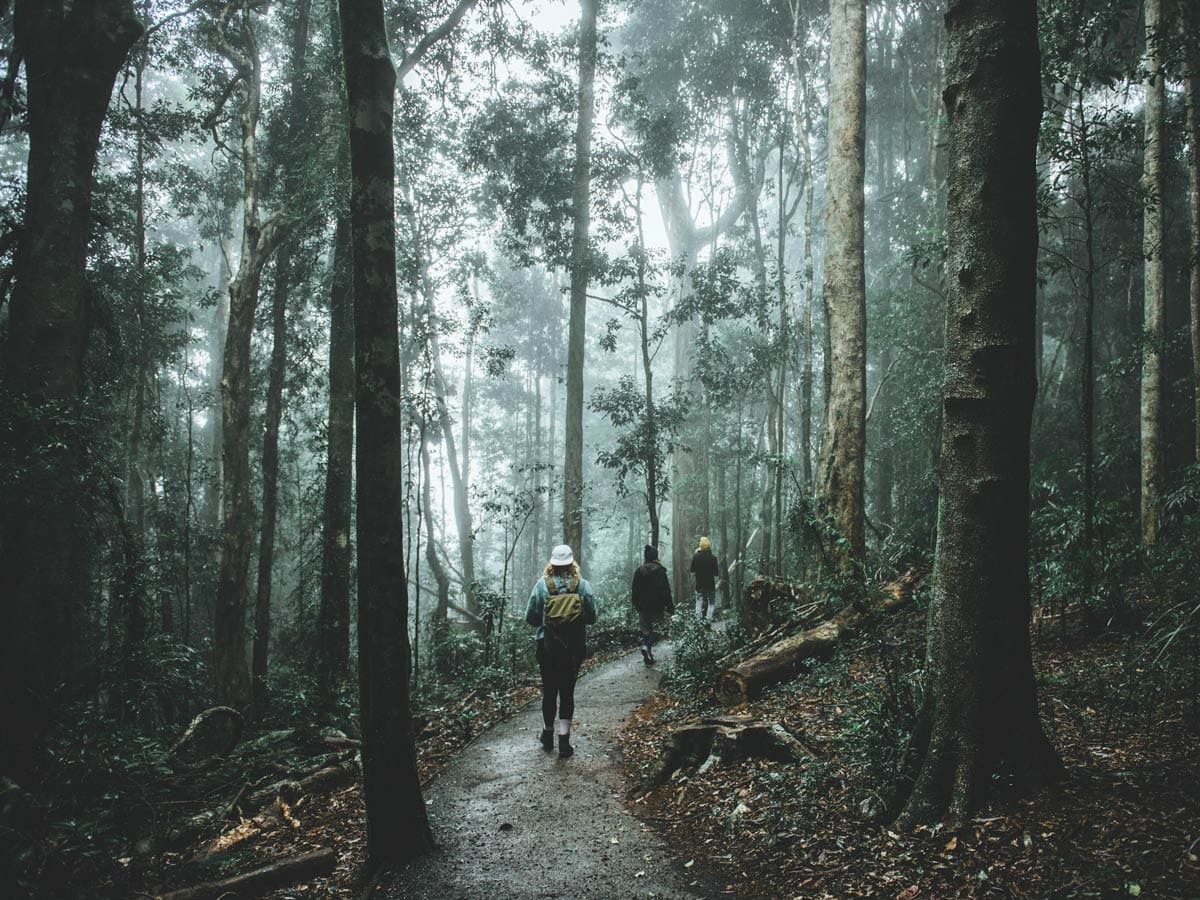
(558, 686)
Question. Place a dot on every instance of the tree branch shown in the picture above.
(879, 387)
(423, 46)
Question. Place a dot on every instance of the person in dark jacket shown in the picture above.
(651, 598)
(705, 571)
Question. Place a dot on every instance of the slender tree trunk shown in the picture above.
(133, 598)
(259, 239)
(1087, 406)
(1191, 21)
(573, 464)
(737, 555)
(71, 61)
(441, 613)
(270, 475)
(785, 354)
(806, 375)
(333, 615)
(1153, 233)
(275, 377)
(980, 713)
(397, 825)
(843, 442)
(725, 546)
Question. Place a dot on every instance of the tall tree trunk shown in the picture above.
(397, 825)
(133, 598)
(72, 58)
(581, 209)
(333, 615)
(1191, 22)
(275, 376)
(843, 441)
(270, 475)
(980, 713)
(441, 613)
(1087, 406)
(259, 239)
(1153, 233)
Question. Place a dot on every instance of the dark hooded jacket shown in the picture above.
(706, 570)
(651, 589)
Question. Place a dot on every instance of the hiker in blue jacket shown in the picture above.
(560, 606)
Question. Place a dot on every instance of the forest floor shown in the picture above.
(451, 736)
(1124, 821)
(513, 821)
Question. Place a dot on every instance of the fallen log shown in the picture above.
(213, 733)
(257, 882)
(781, 660)
(739, 684)
(292, 789)
(718, 740)
(760, 609)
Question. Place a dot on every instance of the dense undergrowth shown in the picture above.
(105, 817)
(1117, 658)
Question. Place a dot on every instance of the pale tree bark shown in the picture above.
(72, 53)
(439, 621)
(803, 125)
(275, 377)
(580, 204)
(397, 825)
(238, 42)
(980, 715)
(1154, 275)
(270, 476)
(459, 466)
(843, 438)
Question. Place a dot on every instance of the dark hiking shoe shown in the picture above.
(547, 739)
(650, 660)
(647, 657)
(565, 750)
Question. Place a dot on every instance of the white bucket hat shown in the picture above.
(561, 555)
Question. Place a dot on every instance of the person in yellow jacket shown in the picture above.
(705, 571)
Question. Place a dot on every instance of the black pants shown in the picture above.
(558, 686)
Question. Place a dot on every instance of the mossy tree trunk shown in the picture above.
(1154, 276)
(980, 717)
(238, 42)
(843, 438)
(72, 54)
(581, 199)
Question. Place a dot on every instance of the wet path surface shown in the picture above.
(515, 821)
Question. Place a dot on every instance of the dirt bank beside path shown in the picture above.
(514, 821)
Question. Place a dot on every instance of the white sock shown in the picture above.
(564, 727)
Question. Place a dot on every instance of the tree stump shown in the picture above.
(719, 740)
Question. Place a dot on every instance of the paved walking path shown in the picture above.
(514, 821)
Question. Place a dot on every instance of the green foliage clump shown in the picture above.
(699, 648)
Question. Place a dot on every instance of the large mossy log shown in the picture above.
(738, 684)
(781, 660)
